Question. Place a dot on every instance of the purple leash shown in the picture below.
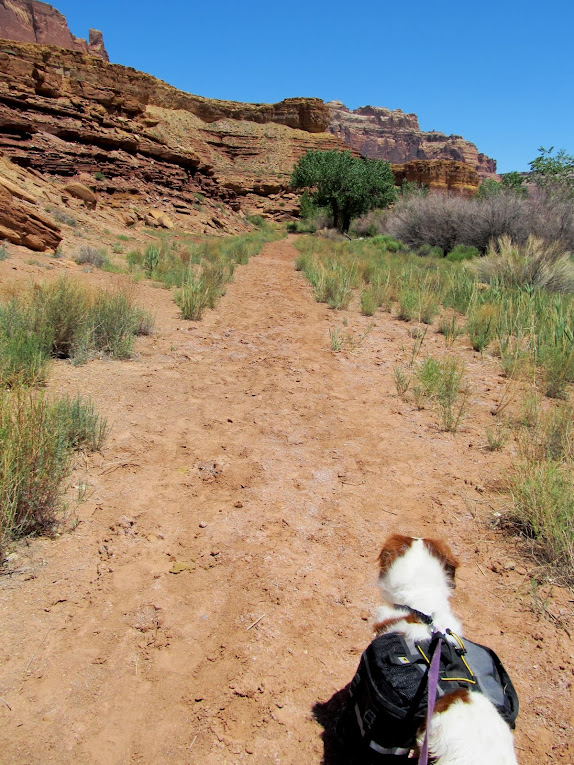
(431, 691)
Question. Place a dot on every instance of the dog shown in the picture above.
(416, 577)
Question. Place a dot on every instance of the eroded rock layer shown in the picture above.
(34, 22)
(438, 175)
(395, 136)
(139, 143)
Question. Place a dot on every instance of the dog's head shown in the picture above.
(408, 563)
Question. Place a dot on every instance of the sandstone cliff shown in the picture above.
(438, 175)
(395, 136)
(35, 22)
(141, 144)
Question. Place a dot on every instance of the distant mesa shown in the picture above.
(30, 21)
(392, 135)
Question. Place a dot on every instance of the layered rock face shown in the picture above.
(22, 219)
(438, 175)
(35, 22)
(139, 143)
(395, 136)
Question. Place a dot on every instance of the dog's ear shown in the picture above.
(393, 548)
(446, 556)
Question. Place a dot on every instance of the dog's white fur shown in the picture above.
(419, 573)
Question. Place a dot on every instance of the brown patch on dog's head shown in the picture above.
(393, 548)
(442, 704)
(445, 555)
(381, 628)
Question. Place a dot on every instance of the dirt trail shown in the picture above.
(219, 583)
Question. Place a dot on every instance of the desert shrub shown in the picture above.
(151, 258)
(481, 325)
(496, 436)
(24, 353)
(4, 254)
(62, 217)
(425, 250)
(449, 327)
(551, 215)
(442, 383)
(402, 380)
(64, 320)
(99, 176)
(37, 440)
(462, 252)
(368, 302)
(543, 498)
(61, 312)
(436, 220)
(387, 242)
(428, 376)
(114, 322)
(446, 221)
(374, 223)
(90, 256)
(193, 298)
(451, 394)
(535, 264)
(256, 220)
(542, 486)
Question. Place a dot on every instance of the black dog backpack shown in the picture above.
(387, 699)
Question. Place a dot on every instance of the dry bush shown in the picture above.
(534, 264)
(371, 224)
(444, 221)
(37, 441)
(551, 216)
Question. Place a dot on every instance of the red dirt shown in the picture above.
(266, 470)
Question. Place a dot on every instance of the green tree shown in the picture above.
(515, 182)
(512, 182)
(349, 186)
(554, 172)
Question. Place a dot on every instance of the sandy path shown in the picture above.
(220, 581)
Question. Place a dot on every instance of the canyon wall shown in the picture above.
(35, 22)
(141, 144)
(395, 136)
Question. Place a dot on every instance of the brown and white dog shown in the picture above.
(466, 728)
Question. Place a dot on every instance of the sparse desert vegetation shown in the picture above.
(39, 434)
(38, 438)
(199, 270)
(516, 303)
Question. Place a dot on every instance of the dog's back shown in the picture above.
(469, 731)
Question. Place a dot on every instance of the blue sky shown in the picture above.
(499, 73)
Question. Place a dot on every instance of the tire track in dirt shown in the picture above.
(219, 583)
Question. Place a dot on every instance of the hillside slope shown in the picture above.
(66, 114)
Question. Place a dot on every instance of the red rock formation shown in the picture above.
(438, 175)
(139, 143)
(35, 22)
(392, 135)
(22, 221)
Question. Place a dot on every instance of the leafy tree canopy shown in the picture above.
(349, 186)
(553, 171)
(513, 182)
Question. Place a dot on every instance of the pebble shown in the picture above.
(202, 524)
